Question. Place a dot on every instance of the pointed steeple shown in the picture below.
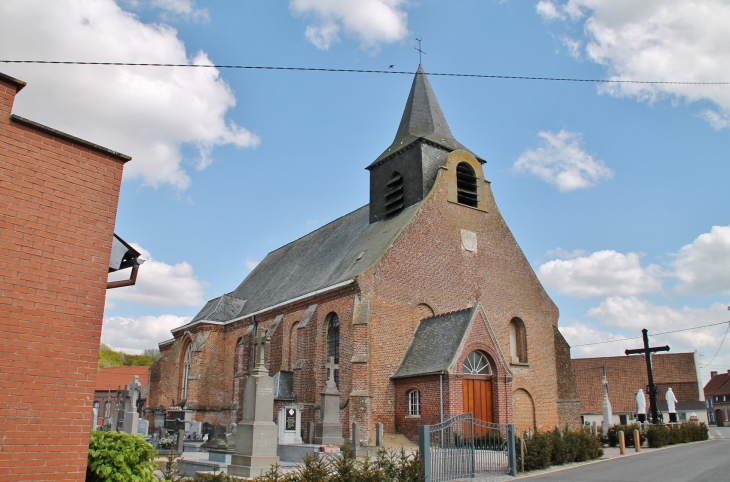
(422, 119)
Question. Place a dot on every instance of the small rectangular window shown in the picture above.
(414, 403)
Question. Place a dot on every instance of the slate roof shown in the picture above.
(626, 374)
(422, 119)
(318, 260)
(435, 344)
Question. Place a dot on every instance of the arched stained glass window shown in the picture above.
(477, 364)
(185, 374)
(333, 342)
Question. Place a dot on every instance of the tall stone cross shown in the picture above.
(647, 351)
(331, 366)
(260, 342)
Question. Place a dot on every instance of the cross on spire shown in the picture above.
(647, 351)
(420, 52)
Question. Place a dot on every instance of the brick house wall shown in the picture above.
(58, 198)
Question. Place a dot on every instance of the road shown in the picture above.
(697, 462)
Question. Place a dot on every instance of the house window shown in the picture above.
(394, 195)
(466, 185)
(477, 364)
(414, 403)
(622, 419)
(185, 374)
(518, 341)
(333, 343)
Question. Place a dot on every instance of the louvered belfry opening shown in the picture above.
(466, 185)
(394, 195)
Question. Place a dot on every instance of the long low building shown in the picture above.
(627, 374)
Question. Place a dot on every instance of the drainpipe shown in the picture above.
(441, 395)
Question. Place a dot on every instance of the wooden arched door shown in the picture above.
(477, 386)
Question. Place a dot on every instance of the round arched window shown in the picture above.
(477, 364)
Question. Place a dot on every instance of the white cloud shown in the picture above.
(548, 10)
(718, 120)
(160, 284)
(683, 40)
(573, 46)
(181, 8)
(578, 333)
(371, 22)
(251, 264)
(599, 274)
(561, 160)
(703, 266)
(132, 335)
(632, 313)
(146, 112)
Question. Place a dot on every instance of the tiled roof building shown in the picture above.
(717, 398)
(627, 374)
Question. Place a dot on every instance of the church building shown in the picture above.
(423, 298)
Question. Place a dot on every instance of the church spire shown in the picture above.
(422, 119)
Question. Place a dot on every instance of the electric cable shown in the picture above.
(362, 71)
(653, 334)
(718, 348)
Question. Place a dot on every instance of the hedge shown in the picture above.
(661, 435)
(543, 449)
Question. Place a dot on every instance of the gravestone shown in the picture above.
(208, 430)
(379, 434)
(94, 417)
(256, 433)
(232, 428)
(290, 425)
(355, 438)
(131, 417)
(329, 429)
(196, 430)
(310, 432)
(143, 427)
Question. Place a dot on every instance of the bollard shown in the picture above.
(595, 428)
(621, 442)
(637, 441)
(378, 434)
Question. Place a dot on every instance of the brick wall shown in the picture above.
(58, 200)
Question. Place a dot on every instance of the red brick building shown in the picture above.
(58, 199)
(717, 398)
(108, 381)
(423, 297)
(627, 374)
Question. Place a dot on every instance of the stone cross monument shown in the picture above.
(329, 429)
(256, 433)
(131, 417)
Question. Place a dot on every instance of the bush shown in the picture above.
(661, 435)
(388, 465)
(611, 437)
(120, 457)
(557, 448)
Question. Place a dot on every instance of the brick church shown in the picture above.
(423, 297)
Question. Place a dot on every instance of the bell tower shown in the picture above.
(403, 174)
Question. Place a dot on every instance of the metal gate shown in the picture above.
(464, 447)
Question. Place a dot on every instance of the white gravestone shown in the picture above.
(143, 427)
(196, 429)
(290, 425)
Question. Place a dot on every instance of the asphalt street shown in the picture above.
(698, 462)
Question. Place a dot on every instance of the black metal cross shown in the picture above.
(646, 351)
(420, 52)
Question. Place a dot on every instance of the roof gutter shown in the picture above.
(270, 308)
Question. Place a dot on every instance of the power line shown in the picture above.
(718, 348)
(362, 71)
(654, 334)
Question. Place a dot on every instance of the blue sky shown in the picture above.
(617, 193)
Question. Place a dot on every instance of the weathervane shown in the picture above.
(420, 52)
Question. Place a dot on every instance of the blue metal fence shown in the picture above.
(464, 447)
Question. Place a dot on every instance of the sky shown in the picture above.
(616, 192)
